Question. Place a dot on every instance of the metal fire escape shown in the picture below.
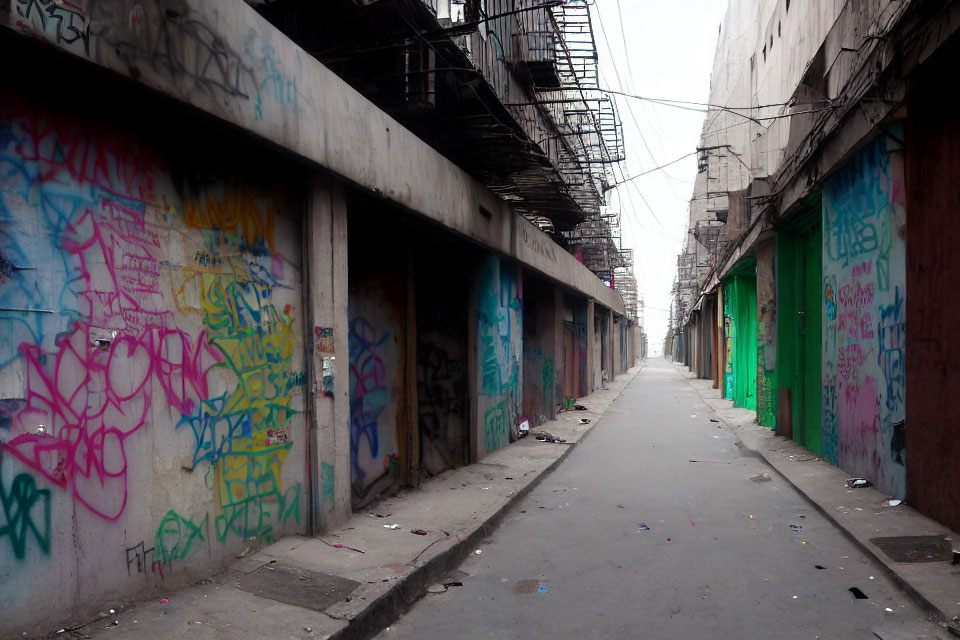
(590, 137)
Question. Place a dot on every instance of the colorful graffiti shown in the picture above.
(864, 331)
(499, 338)
(127, 305)
(369, 398)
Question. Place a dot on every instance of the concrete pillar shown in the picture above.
(766, 334)
(559, 372)
(325, 263)
(589, 385)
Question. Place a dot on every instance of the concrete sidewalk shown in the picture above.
(354, 581)
(860, 513)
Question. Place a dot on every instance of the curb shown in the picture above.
(926, 605)
(388, 608)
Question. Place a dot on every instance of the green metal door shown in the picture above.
(799, 269)
(809, 347)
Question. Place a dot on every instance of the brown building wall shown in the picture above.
(933, 321)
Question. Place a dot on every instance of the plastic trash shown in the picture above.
(584, 421)
(858, 483)
(714, 420)
(418, 532)
(391, 526)
(579, 407)
(524, 428)
(478, 551)
(644, 527)
(543, 589)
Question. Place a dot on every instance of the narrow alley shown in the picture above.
(659, 526)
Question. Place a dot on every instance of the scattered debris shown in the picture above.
(478, 551)
(888, 610)
(762, 477)
(584, 420)
(523, 428)
(859, 595)
(418, 532)
(857, 483)
(337, 545)
(453, 583)
(308, 629)
(892, 503)
(543, 589)
(796, 527)
(818, 566)
(392, 526)
(750, 515)
(644, 527)
(544, 436)
(579, 407)
(113, 611)
(714, 420)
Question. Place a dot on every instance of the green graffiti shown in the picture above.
(256, 518)
(326, 477)
(21, 507)
(175, 537)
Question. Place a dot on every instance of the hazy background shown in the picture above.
(657, 49)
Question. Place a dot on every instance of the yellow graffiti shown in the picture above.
(240, 210)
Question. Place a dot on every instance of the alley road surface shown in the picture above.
(728, 553)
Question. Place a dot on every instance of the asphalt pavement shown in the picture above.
(658, 525)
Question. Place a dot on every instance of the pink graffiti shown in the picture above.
(69, 152)
(851, 359)
(859, 434)
(76, 420)
(856, 301)
(81, 408)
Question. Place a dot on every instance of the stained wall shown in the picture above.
(864, 313)
(499, 333)
(151, 359)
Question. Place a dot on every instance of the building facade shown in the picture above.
(817, 232)
(263, 263)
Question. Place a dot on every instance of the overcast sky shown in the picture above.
(664, 50)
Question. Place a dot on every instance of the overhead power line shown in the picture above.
(643, 173)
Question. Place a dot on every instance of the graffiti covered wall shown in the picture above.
(539, 352)
(499, 350)
(150, 361)
(376, 312)
(863, 316)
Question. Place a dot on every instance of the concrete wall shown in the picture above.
(499, 351)
(443, 400)
(231, 63)
(766, 334)
(151, 359)
(540, 318)
(377, 312)
(864, 316)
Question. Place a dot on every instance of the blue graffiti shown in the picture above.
(892, 336)
(369, 394)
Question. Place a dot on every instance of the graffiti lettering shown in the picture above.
(26, 510)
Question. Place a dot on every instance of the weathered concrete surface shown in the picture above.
(458, 510)
(860, 514)
(224, 59)
(719, 558)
